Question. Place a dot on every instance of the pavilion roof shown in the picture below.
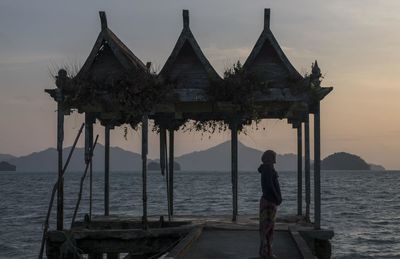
(187, 65)
(267, 59)
(191, 74)
(109, 56)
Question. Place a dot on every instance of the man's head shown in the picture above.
(269, 157)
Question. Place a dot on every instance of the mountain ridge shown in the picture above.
(216, 158)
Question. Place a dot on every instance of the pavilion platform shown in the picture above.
(190, 237)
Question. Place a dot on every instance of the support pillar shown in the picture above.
(164, 164)
(60, 139)
(145, 127)
(171, 171)
(88, 154)
(299, 170)
(317, 168)
(163, 137)
(307, 165)
(234, 169)
(107, 171)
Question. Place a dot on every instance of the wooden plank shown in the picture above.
(184, 245)
(301, 244)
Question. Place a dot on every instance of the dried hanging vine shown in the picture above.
(130, 96)
(238, 88)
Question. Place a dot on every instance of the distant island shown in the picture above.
(4, 166)
(347, 161)
(155, 166)
(213, 159)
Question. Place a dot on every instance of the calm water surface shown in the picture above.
(362, 207)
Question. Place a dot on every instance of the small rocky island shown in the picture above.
(344, 161)
(5, 166)
(155, 166)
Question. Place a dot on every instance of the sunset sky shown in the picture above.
(356, 43)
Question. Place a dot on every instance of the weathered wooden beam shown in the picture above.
(145, 126)
(299, 170)
(107, 170)
(234, 168)
(60, 139)
(307, 165)
(317, 168)
(122, 234)
(171, 170)
(81, 183)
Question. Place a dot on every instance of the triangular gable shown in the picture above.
(107, 39)
(187, 64)
(268, 59)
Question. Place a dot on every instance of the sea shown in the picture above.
(363, 208)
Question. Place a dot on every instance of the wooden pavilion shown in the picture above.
(112, 72)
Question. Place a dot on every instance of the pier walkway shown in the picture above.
(219, 237)
(240, 244)
(197, 237)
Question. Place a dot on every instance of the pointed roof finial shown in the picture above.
(315, 70)
(185, 14)
(103, 20)
(267, 17)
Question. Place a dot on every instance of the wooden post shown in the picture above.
(60, 139)
(107, 170)
(234, 168)
(163, 164)
(145, 126)
(163, 137)
(88, 151)
(307, 165)
(171, 170)
(317, 168)
(299, 170)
